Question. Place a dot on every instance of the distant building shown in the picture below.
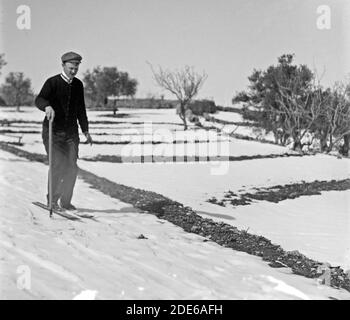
(139, 103)
(198, 107)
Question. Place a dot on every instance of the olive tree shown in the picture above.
(184, 84)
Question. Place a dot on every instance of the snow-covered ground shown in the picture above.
(157, 119)
(318, 226)
(156, 127)
(170, 263)
(43, 258)
(252, 132)
(221, 148)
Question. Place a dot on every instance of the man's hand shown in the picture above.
(88, 138)
(50, 113)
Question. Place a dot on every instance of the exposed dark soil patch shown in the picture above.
(175, 142)
(221, 233)
(135, 122)
(117, 115)
(184, 158)
(114, 134)
(145, 159)
(5, 122)
(10, 122)
(10, 109)
(115, 142)
(16, 143)
(22, 153)
(129, 134)
(21, 126)
(279, 193)
(19, 131)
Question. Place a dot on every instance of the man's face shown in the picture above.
(70, 69)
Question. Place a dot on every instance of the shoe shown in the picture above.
(55, 206)
(68, 207)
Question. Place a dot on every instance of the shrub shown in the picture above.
(199, 107)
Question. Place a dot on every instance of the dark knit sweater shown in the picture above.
(68, 102)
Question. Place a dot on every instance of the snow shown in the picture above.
(252, 132)
(106, 260)
(221, 148)
(86, 295)
(320, 225)
(155, 128)
(312, 233)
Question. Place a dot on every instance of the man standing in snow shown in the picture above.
(62, 99)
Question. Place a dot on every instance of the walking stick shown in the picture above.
(50, 167)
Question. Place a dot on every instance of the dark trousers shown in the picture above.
(65, 149)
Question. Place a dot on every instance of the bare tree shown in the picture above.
(334, 121)
(299, 109)
(337, 117)
(184, 84)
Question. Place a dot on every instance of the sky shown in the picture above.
(227, 39)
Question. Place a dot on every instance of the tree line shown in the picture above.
(16, 91)
(104, 83)
(288, 100)
(100, 84)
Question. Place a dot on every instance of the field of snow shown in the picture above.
(184, 183)
(252, 132)
(156, 127)
(220, 148)
(106, 259)
(318, 226)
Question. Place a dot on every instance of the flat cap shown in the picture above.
(71, 57)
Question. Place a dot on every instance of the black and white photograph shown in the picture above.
(162, 150)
